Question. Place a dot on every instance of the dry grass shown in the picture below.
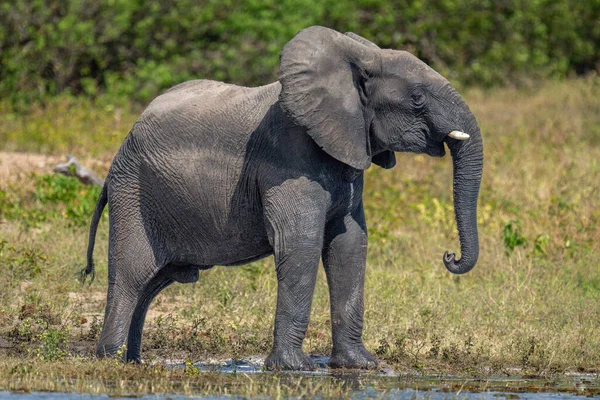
(531, 305)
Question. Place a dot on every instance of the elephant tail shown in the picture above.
(89, 270)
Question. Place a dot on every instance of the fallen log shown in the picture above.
(72, 168)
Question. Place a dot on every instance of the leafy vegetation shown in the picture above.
(134, 49)
(53, 197)
(511, 233)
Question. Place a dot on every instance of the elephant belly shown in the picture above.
(238, 246)
(202, 233)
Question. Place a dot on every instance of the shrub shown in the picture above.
(136, 49)
(55, 197)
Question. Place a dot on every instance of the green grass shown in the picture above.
(531, 305)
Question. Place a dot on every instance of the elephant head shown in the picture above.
(361, 104)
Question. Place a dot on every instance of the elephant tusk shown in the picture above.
(458, 135)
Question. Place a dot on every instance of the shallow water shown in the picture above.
(368, 392)
(383, 384)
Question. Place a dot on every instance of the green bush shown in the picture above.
(55, 197)
(135, 48)
(53, 345)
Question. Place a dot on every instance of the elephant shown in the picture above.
(218, 174)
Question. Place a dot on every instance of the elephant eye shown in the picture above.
(418, 97)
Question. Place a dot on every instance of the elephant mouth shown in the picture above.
(435, 149)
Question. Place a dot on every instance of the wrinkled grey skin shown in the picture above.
(217, 174)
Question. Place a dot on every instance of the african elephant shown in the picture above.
(218, 174)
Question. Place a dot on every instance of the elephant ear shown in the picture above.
(322, 74)
(362, 40)
(387, 158)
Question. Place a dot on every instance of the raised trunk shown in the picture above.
(467, 158)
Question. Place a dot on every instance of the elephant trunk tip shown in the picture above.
(457, 267)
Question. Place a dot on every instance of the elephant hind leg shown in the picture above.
(132, 267)
(121, 303)
(134, 338)
(128, 300)
(172, 272)
(117, 318)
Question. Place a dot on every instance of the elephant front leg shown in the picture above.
(295, 214)
(296, 275)
(344, 258)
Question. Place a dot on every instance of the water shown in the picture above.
(384, 384)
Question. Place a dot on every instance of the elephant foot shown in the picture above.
(289, 359)
(353, 358)
(107, 350)
(134, 358)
